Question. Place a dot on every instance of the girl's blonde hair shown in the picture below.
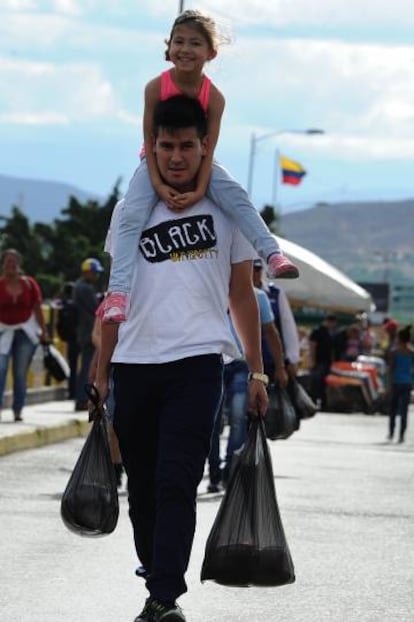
(205, 25)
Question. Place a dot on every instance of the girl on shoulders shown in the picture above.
(192, 43)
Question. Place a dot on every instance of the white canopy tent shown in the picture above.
(320, 284)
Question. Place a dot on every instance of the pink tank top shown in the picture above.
(169, 89)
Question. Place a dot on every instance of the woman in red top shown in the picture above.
(22, 326)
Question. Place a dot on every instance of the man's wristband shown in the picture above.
(257, 376)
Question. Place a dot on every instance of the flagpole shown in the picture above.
(276, 174)
(254, 139)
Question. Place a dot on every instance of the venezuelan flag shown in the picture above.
(292, 172)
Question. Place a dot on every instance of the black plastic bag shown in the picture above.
(89, 504)
(55, 363)
(247, 544)
(302, 402)
(281, 419)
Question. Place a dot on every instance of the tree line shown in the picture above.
(52, 253)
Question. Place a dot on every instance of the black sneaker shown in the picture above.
(155, 611)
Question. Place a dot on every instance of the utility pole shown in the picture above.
(181, 8)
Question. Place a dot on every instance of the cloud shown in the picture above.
(58, 34)
(40, 92)
(361, 94)
(18, 5)
(317, 13)
(349, 89)
(363, 148)
(34, 118)
(24, 31)
(67, 7)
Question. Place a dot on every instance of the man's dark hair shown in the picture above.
(178, 112)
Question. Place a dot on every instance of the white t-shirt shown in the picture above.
(180, 286)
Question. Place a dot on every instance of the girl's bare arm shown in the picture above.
(215, 113)
(152, 96)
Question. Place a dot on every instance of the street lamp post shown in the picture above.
(181, 6)
(255, 139)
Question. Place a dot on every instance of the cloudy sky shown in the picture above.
(72, 74)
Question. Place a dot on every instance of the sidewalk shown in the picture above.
(43, 423)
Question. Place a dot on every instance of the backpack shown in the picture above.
(67, 320)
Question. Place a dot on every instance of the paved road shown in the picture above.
(348, 509)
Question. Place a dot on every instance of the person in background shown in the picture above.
(354, 340)
(304, 347)
(365, 331)
(322, 354)
(352, 344)
(86, 302)
(284, 321)
(66, 326)
(22, 326)
(235, 381)
(390, 328)
(110, 402)
(401, 367)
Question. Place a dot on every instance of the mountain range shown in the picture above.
(369, 241)
(41, 201)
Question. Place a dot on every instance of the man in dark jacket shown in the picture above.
(86, 301)
(322, 342)
(67, 320)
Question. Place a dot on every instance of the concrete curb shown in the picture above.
(43, 435)
(38, 395)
